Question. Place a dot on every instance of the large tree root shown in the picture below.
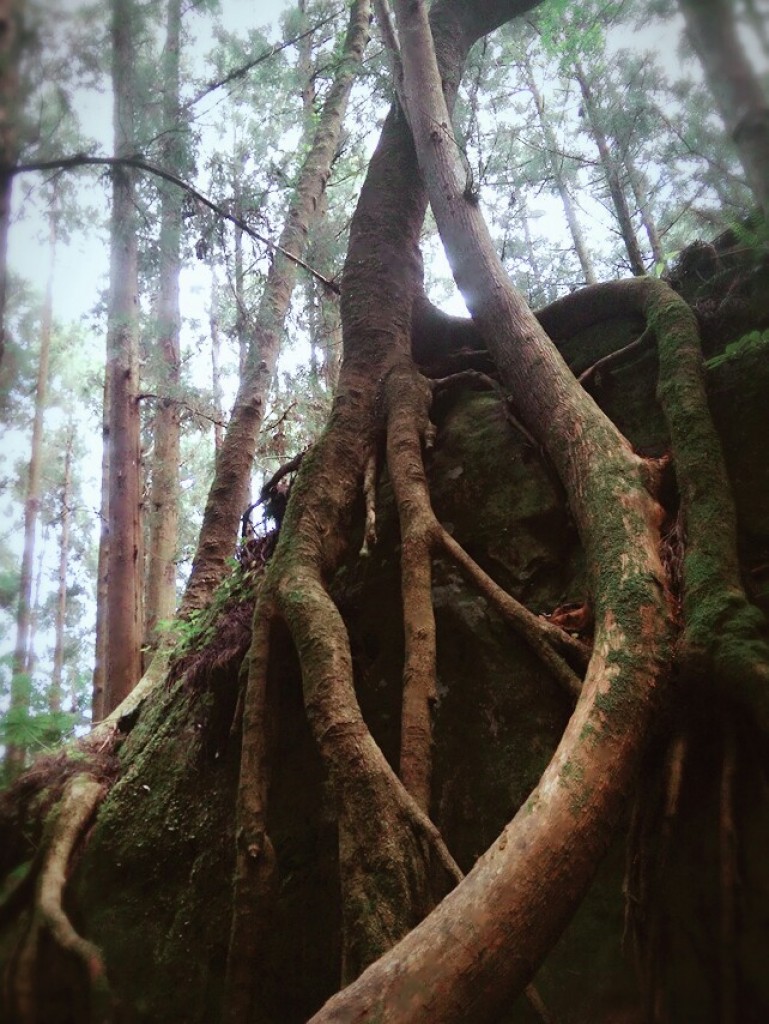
(253, 888)
(78, 804)
(724, 635)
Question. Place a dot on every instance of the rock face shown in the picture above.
(152, 887)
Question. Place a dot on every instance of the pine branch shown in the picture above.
(243, 70)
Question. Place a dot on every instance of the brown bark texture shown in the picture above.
(123, 618)
(160, 599)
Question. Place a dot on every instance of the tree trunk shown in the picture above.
(556, 169)
(640, 189)
(123, 619)
(20, 681)
(227, 498)
(216, 375)
(98, 710)
(736, 88)
(612, 172)
(57, 675)
(160, 602)
(507, 921)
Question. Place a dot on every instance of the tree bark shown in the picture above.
(227, 498)
(123, 618)
(102, 569)
(160, 602)
(736, 88)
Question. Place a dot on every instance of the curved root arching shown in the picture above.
(724, 635)
(78, 805)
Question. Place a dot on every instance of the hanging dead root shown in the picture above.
(79, 803)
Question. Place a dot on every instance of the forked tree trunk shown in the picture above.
(736, 88)
(393, 865)
(20, 679)
(123, 618)
(227, 498)
(484, 941)
(160, 600)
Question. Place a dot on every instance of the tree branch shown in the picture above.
(243, 70)
(140, 164)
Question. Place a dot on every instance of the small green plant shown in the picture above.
(755, 341)
(200, 627)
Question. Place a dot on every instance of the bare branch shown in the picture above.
(140, 164)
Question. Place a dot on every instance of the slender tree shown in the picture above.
(160, 600)
(60, 616)
(612, 171)
(123, 618)
(555, 162)
(20, 685)
(228, 495)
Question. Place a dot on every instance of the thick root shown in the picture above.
(79, 803)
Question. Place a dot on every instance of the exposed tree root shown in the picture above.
(78, 804)
(255, 858)
(407, 399)
(544, 638)
(724, 635)
(608, 362)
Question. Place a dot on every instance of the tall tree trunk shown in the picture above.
(10, 38)
(160, 602)
(123, 621)
(216, 374)
(556, 169)
(228, 495)
(735, 86)
(611, 170)
(57, 675)
(639, 186)
(102, 569)
(20, 680)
